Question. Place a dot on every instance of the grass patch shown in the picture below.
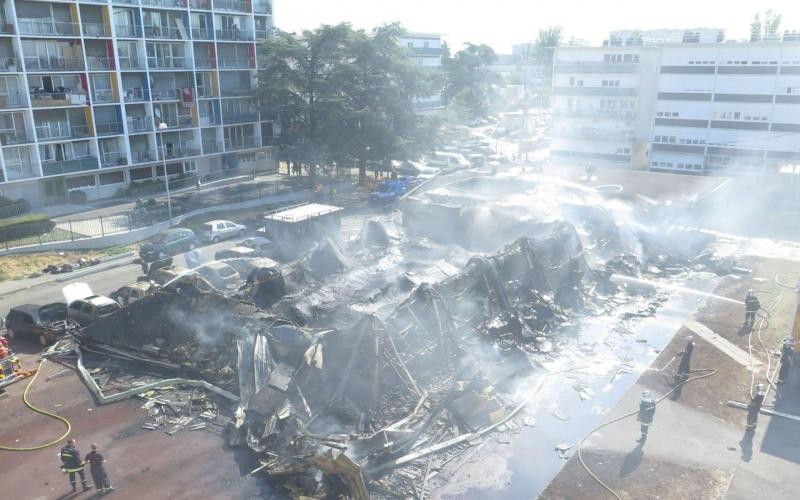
(14, 267)
(23, 219)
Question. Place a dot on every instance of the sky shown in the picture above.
(502, 23)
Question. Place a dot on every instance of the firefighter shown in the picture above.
(686, 358)
(71, 463)
(98, 471)
(755, 406)
(647, 409)
(751, 307)
(787, 359)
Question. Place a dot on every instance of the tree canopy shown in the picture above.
(469, 79)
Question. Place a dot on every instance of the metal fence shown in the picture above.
(73, 229)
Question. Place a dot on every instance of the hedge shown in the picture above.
(25, 226)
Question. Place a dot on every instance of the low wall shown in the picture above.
(140, 234)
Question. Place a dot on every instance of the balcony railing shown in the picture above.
(54, 64)
(17, 171)
(103, 95)
(137, 94)
(165, 95)
(178, 4)
(595, 134)
(173, 122)
(169, 63)
(162, 32)
(202, 34)
(112, 159)
(232, 5)
(143, 156)
(96, 29)
(130, 63)
(101, 62)
(10, 101)
(205, 62)
(66, 98)
(61, 130)
(69, 166)
(179, 150)
(263, 34)
(239, 118)
(237, 92)
(621, 114)
(128, 31)
(243, 143)
(7, 28)
(212, 147)
(208, 120)
(128, 2)
(230, 63)
(205, 92)
(110, 128)
(14, 137)
(140, 124)
(235, 35)
(262, 7)
(49, 27)
(200, 4)
(9, 64)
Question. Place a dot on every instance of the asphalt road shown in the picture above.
(103, 282)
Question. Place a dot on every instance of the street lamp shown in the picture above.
(161, 128)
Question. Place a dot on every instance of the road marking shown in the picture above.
(732, 350)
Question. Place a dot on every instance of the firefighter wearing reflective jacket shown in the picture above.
(647, 409)
(71, 463)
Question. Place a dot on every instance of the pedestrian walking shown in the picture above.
(71, 464)
(686, 358)
(751, 307)
(95, 460)
(647, 410)
(754, 407)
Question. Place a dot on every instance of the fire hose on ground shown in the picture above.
(43, 412)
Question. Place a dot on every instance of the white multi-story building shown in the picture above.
(84, 86)
(681, 107)
(427, 51)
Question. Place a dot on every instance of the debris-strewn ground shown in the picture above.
(14, 267)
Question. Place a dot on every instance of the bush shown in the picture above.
(24, 226)
(78, 197)
(12, 208)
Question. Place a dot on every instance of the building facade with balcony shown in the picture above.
(427, 52)
(84, 86)
(699, 108)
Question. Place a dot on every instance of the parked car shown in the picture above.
(84, 306)
(257, 246)
(47, 323)
(218, 230)
(170, 242)
(220, 275)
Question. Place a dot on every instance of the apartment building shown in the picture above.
(427, 51)
(687, 107)
(96, 94)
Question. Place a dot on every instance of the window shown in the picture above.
(571, 81)
(112, 178)
(190, 166)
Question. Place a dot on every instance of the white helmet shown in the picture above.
(645, 394)
(689, 338)
(761, 389)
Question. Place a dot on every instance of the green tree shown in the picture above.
(544, 49)
(469, 79)
(765, 27)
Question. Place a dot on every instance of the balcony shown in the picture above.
(177, 4)
(54, 64)
(47, 27)
(113, 159)
(12, 101)
(9, 64)
(595, 67)
(209, 120)
(69, 166)
(212, 147)
(618, 114)
(200, 4)
(7, 29)
(235, 35)
(262, 7)
(263, 34)
(110, 128)
(175, 122)
(205, 63)
(143, 156)
(234, 63)
(13, 137)
(18, 171)
(232, 5)
(137, 94)
(596, 134)
(242, 143)
(101, 63)
(128, 31)
(52, 99)
(169, 63)
(103, 95)
(180, 150)
(165, 95)
(240, 118)
(98, 30)
(598, 91)
(61, 130)
(202, 34)
(131, 63)
(237, 92)
(162, 32)
(140, 124)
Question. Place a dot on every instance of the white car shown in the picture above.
(218, 230)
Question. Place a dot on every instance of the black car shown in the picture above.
(170, 242)
(46, 323)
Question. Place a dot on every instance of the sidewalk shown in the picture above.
(697, 446)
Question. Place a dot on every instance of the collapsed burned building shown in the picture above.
(358, 363)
